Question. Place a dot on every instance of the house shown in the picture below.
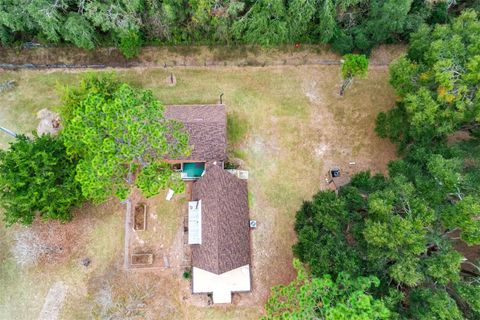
(218, 214)
(207, 129)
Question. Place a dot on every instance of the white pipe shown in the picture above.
(9, 132)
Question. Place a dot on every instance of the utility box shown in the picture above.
(335, 172)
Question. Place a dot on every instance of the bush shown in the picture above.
(130, 44)
(36, 176)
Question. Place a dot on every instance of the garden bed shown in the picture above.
(142, 259)
(140, 217)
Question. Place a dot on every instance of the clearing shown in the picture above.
(287, 127)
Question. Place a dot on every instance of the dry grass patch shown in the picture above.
(95, 234)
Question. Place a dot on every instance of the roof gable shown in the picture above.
(225, 222)
(207, 129)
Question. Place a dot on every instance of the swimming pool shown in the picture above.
(193, 169)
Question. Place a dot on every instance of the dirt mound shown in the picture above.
(49, 122)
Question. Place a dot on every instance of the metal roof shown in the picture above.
(195, 222)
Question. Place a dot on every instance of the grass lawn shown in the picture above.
(287, 126)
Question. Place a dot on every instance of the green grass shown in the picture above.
(237, 128)
(292, 108)
(277, 118)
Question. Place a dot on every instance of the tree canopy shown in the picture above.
(309, 297)
(117, 132)
(353, 65)
(437, 84)
(348, 25)
(405, 228)
(398, 230)
(37, 178)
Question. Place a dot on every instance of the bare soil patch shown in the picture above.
(52, 242)
(193, 56)
(120, 295)
(162, 239)
(140, 217)
(53, 302)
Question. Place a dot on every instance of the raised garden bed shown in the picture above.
(140, 217)
(142, 259)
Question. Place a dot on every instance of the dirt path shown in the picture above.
(192, 56)
(53, 301)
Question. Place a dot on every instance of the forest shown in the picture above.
(347, 25)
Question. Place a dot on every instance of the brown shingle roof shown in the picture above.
(207, 129)
(225, 222)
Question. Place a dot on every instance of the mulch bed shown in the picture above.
(140, 217)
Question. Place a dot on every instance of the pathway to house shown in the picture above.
(53, 301)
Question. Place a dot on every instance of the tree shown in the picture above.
(130, 43)
(300, 19)
(325, 298)
(328, 24)
(431, 304)
(347, 25)
(358, 25)
(396, 229)
(118, 131)
(47, 15)
(79, 31)
(323, 229)
(436, 83)
(470, 293)
(353, 65)
(265, 23)
(37, 177)
(403, 229)
(121, 19)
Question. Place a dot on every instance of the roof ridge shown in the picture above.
(228, 204)
(217, 226)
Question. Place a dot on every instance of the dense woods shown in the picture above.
(404, 229)
(348, 25)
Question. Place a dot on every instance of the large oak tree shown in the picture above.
(117, 132)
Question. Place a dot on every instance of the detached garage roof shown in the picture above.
(225, 229)
(207, 129)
